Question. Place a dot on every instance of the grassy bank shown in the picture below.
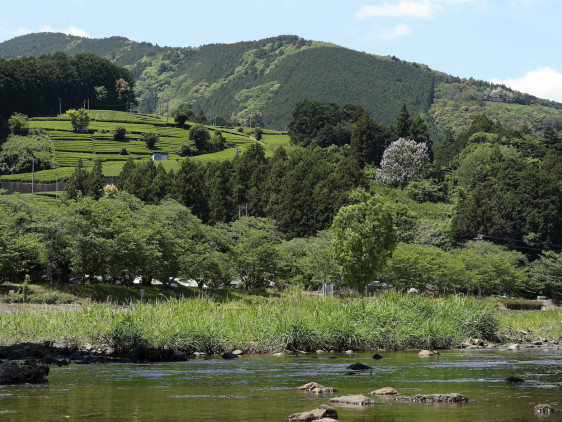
(263, 324)
(527, 326)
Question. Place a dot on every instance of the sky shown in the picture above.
(514, 42)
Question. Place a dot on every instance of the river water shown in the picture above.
(263, 388)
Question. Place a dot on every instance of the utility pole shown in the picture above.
(32, 175)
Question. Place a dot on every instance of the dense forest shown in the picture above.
(490, 223)
(264, 80)
(52, 84)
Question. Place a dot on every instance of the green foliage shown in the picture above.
(38, 83)
(18, 153)
(78, 118)
(547, 273)
(150, 140)
(200, 136)
(426, 191)
(267, 324)
(181, 115)
(480, 268)
(258, 133)
(120, 134)
(19, 124)
(363, 239)
(25, 288)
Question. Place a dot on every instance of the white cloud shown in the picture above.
(543, 83)
(398, 31)
(70, 31)
(412, 9)
(418, 9)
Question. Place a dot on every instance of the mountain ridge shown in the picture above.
(264, 80)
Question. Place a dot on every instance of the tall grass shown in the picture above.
(261, 324)
(532, 324)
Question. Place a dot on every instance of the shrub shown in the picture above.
(425, 191)
(258, 133)
(78, 118)
(150, 139)
(522, 304)
(19, 124)
(123, 151)
(119, 134)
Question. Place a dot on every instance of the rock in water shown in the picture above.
(229, 355)
(310, 386)
(314, 387)
(139, 353)
(10, 373)
(544, 408)
(386, 391)
(376, 356)
(428, 353)
(357, 400)
(324, 413)
(358, 367)
(514, 380)
(435, 398)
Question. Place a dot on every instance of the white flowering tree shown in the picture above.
(403, 161)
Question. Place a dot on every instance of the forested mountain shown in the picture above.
(264, 80)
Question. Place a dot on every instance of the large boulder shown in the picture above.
(322, 413)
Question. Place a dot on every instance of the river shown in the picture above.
(263, 388)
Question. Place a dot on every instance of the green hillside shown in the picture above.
(264, 80)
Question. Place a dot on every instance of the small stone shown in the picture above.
(349, 352)
(310, 386)
(237, 352)
(385, 391)
(324, 390)
(320, 351)
(513, 347)
(278, 354)
(544, 408)
(428, 353)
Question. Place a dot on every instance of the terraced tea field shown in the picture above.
(98, 143)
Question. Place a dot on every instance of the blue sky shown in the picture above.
(516, 42)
